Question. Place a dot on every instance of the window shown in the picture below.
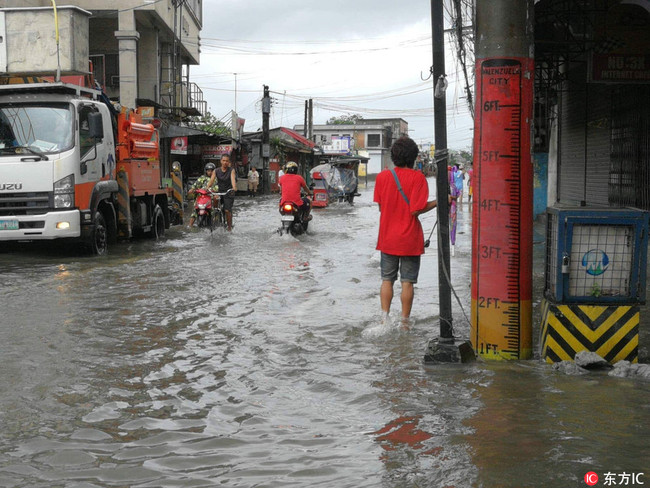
(374, 140)
(86, 143)
(43, 127)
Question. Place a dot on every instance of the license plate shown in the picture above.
(9, 225)
(286, 218)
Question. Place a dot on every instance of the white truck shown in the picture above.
(71, 165)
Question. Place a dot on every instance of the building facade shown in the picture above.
(371, 138)
(141, 54)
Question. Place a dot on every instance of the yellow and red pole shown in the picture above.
(502, 214)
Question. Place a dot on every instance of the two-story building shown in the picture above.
(141, 53)
(371, 138)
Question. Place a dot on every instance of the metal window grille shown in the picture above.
(601, 260)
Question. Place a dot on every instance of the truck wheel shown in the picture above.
(158, 223)
(99, 243)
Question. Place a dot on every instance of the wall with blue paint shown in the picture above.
(540, 183)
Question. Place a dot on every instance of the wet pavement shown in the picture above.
(254, 360)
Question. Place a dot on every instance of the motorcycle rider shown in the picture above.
(291, 183)
(207, 181)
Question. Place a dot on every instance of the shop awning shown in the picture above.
(178, 131)
(298, 137)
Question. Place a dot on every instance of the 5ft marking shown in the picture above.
(490, 156)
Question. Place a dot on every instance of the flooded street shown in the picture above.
(240, 360)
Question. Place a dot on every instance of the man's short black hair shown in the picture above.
(404, 151)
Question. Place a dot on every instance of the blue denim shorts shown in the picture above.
(409, 268)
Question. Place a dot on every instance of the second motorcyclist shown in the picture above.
(227, 180)
(206, 180)
(291, 183)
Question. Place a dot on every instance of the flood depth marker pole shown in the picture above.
(502, 215)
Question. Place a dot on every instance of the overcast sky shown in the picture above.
(363, 56)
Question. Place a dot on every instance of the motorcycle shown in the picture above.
(293, 220)
(207, 216)
(203, 208)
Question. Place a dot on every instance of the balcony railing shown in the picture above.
(189, 100)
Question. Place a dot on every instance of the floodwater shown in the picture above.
(256, 360)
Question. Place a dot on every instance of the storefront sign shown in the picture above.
(621, 68)
(178, 145)
(216, 151)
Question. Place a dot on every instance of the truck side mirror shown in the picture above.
(95, 126)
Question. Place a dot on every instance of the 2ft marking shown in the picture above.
(489, 302)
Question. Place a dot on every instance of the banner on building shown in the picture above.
(178, 145)
(339, 145)
(216, 151)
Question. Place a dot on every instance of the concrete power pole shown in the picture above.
(266, 146)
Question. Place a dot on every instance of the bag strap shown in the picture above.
(399, 186)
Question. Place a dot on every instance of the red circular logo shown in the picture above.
(591, 478)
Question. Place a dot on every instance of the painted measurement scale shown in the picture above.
(502, 210)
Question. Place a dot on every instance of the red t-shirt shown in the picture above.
(400, 233)
(291, 185)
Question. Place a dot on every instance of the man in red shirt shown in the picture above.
(291, 183)
(402, 195)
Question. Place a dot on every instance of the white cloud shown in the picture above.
(335, 52)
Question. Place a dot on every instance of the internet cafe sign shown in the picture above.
(216, 151)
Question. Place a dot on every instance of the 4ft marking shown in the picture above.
(490, 204)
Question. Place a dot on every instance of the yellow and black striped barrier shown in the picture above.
(123, 205)
(611, 331)
(177, 192)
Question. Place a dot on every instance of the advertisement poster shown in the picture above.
(179, 145)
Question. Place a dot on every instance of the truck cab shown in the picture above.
(58, 168)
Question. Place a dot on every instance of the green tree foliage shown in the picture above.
(278, 149)
(462, 156)
(212, 125)
(344, 119)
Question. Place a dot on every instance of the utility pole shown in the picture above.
(445, 348)
(304, 127)
(503, 175)
(266, 147)
(310, 132)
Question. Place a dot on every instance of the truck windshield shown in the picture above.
(35, 128)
